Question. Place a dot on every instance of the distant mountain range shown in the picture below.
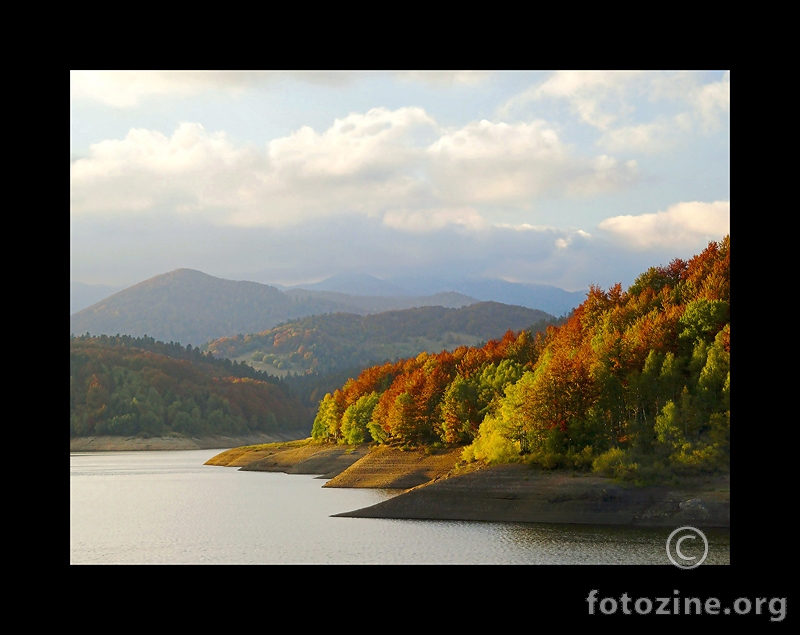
(547, 298)
(191, 307)
(359, 284)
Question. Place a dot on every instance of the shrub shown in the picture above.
(583, 459)
(490, 446)
(547, 460)
(614, 464)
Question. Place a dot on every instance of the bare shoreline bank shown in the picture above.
(128, 444)
(517, 493)
(435, 490)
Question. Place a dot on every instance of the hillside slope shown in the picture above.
(328, 343)
(139, 387)
(191, 307)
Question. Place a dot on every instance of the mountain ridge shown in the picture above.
(192, 307)
(331, 343)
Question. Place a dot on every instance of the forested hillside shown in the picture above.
(366, 304)
(191, 307)
(331, 343)
(635, 384)
(138, 386)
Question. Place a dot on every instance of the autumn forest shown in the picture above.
(633, 383)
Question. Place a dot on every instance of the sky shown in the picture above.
(565, 178)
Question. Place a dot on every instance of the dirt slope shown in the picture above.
(390, 468)
(517, 493)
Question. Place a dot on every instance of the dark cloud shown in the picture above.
(136, 250)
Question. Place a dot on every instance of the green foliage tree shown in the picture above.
(631, 381)
(703, 319)
(356, 419)
(326, 423)
(459, 412)
(137, 386)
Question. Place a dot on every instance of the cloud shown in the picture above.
(617, 105)
(192, 169)
(712, 101)
(374, 141)
(102, 250)
(356, 165)
(511, 164)
(603, 174)
(646, 138)
(190, 148)
(419, 221)
(596, 97)
(129, 89)
(374, 163)
(681, 226)
(445, 78)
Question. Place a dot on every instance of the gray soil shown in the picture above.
(517, 493)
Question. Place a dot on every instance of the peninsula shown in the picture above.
(436, 485)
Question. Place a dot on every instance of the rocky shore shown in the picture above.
(517, 493)
(438, 489)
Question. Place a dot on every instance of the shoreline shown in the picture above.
(435, 489)
(128, 444)
(517, 493)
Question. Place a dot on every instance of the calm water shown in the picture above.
(167, 507)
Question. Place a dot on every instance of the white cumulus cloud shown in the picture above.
(376, 139)
(618, 104)
(596, 97)
(191, 169)
(381, 163)
(511, 164)
(130, 89)
(683, 225)
(712, 101)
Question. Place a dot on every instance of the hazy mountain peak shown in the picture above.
(355, 284)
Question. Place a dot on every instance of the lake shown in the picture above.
(168, 508)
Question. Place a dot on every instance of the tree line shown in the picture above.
(634, 384)
(330, 343)
(138, 386)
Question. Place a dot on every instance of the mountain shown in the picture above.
(377, 304)
(191, 307)
(355, 284)
(82, 295)
(547, 298)
(331, 343)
